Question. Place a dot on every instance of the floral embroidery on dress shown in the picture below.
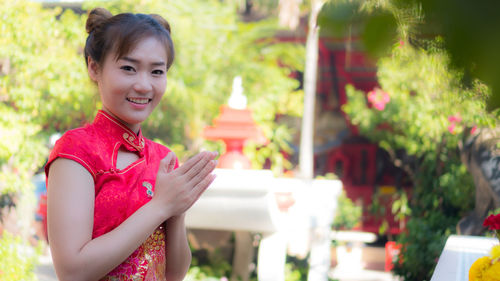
(147, 263)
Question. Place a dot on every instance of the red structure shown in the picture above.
(234, 127)
(367, 173)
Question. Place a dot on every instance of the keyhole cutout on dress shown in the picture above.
(125, 158)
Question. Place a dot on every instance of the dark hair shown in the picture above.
(122, 32)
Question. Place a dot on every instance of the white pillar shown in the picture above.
(243, 256)
(323, 198)
(319, 260)
(272, 257)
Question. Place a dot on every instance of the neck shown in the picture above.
(133, 127)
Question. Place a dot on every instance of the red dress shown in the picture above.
(118, 193)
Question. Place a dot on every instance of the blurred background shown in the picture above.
(396, 99)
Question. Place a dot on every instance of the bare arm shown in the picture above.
(71, 208)
(178, 254)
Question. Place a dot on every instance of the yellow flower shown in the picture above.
(492, 273)
(478, 269)
(495, 252)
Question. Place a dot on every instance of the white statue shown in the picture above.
(237, 100)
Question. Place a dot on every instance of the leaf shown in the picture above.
(379, 33)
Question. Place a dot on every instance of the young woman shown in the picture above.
(116, 200)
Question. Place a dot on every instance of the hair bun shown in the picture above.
(96, 17)
(162, 21)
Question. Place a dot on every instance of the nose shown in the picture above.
(143, 84)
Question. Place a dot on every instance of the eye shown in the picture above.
(158, 72)
(127, 68)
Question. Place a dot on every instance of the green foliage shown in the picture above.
(296, 269)
(279, 140)
(422, 245)
(32, 55)
(423, 95)
(374, 21)
(42, 89)
(400, 206)
(400, 209)
(216, 268)
(17, 258)
(468, 31)
(348, 214)
(47, 81)
(428, 114)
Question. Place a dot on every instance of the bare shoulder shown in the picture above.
(70, 208)
(70, 187)
(69, 170)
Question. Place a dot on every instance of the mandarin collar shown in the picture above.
(119, 132)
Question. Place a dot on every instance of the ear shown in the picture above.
(93, 69)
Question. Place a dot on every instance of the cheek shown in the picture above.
(157, 99)
(163, 85)
(160, 87)
(116, 87)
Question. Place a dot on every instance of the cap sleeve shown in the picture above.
(73, 145)
(162, 151)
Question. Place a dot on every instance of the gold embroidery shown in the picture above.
(147, 263)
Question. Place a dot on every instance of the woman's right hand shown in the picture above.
(177, 190)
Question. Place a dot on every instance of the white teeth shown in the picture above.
(138, 100)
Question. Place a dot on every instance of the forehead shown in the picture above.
(147, 49)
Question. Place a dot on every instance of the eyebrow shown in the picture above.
(159, 63)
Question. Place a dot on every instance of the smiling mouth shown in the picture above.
(139, 100)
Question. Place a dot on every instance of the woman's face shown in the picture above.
(132, 86)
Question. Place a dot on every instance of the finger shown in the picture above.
(198, 167)
(164, 163)
(171, 161)
(190, 163)
(198, 190)
(205, 171)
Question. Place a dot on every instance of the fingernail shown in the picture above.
(215, 162)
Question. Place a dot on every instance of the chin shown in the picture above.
(135, 119)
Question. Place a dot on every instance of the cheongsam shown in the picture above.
(118, 192)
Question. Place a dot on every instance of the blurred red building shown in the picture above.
(367, 173)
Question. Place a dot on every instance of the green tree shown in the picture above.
(34, 50)
(17, 258)
(434, 100)
(37, 54)
(419, 115)
(289, 16)
(469, 29)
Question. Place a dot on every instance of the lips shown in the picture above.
(139, 100)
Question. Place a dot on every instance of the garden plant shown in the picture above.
(420, 115)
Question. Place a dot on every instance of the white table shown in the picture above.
(459, 253)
